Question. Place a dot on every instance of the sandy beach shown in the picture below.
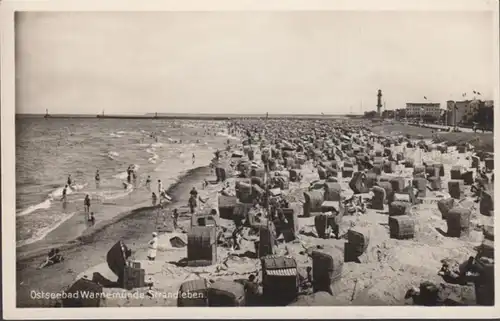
(79, 257)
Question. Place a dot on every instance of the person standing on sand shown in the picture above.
(160, 187)
(152, 247)
(175, 216)
(92, 219)
(86, 205)
(154, 198)
(252, 290)
(194, 192)
(97, 179)
(192, 203)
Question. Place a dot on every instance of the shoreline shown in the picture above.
(30, 250)
(87, 234)
(132, 226)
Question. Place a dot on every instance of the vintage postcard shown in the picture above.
(294, 159)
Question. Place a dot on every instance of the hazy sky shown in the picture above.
(249, 62)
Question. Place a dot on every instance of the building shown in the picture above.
(464, 112)
(423, 109)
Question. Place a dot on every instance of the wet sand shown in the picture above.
(134, 228)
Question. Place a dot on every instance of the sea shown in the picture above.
(49, 150)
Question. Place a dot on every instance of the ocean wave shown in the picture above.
(224, 134)
(115, 135)
(112, 195)
(73, 188)
(123, 175)
(42, 233)
(169, 183)
(154, 145)
(113, 155)
(153, 159)
(43, 205)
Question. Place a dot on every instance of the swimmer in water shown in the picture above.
(97, 179)
(148, 183)
(194, 158)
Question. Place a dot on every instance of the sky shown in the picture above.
(302, 62)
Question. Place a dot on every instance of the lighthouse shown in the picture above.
(379, 102)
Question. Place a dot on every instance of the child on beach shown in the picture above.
(52, 258)
(92, 219)
(152, 246)
(154, 199)
(175, 216)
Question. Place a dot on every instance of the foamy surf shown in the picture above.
(112, 195)
(42, 233)
(154, 145)
(224, 134)
(73, 188)
(153, 159)
(122, 175)
(115, 135)
(112, 155)
(43, 205)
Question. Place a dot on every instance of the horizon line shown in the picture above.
(184, 114)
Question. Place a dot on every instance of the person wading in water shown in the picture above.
(86, 205)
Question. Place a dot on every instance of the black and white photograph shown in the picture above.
(184, 159)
